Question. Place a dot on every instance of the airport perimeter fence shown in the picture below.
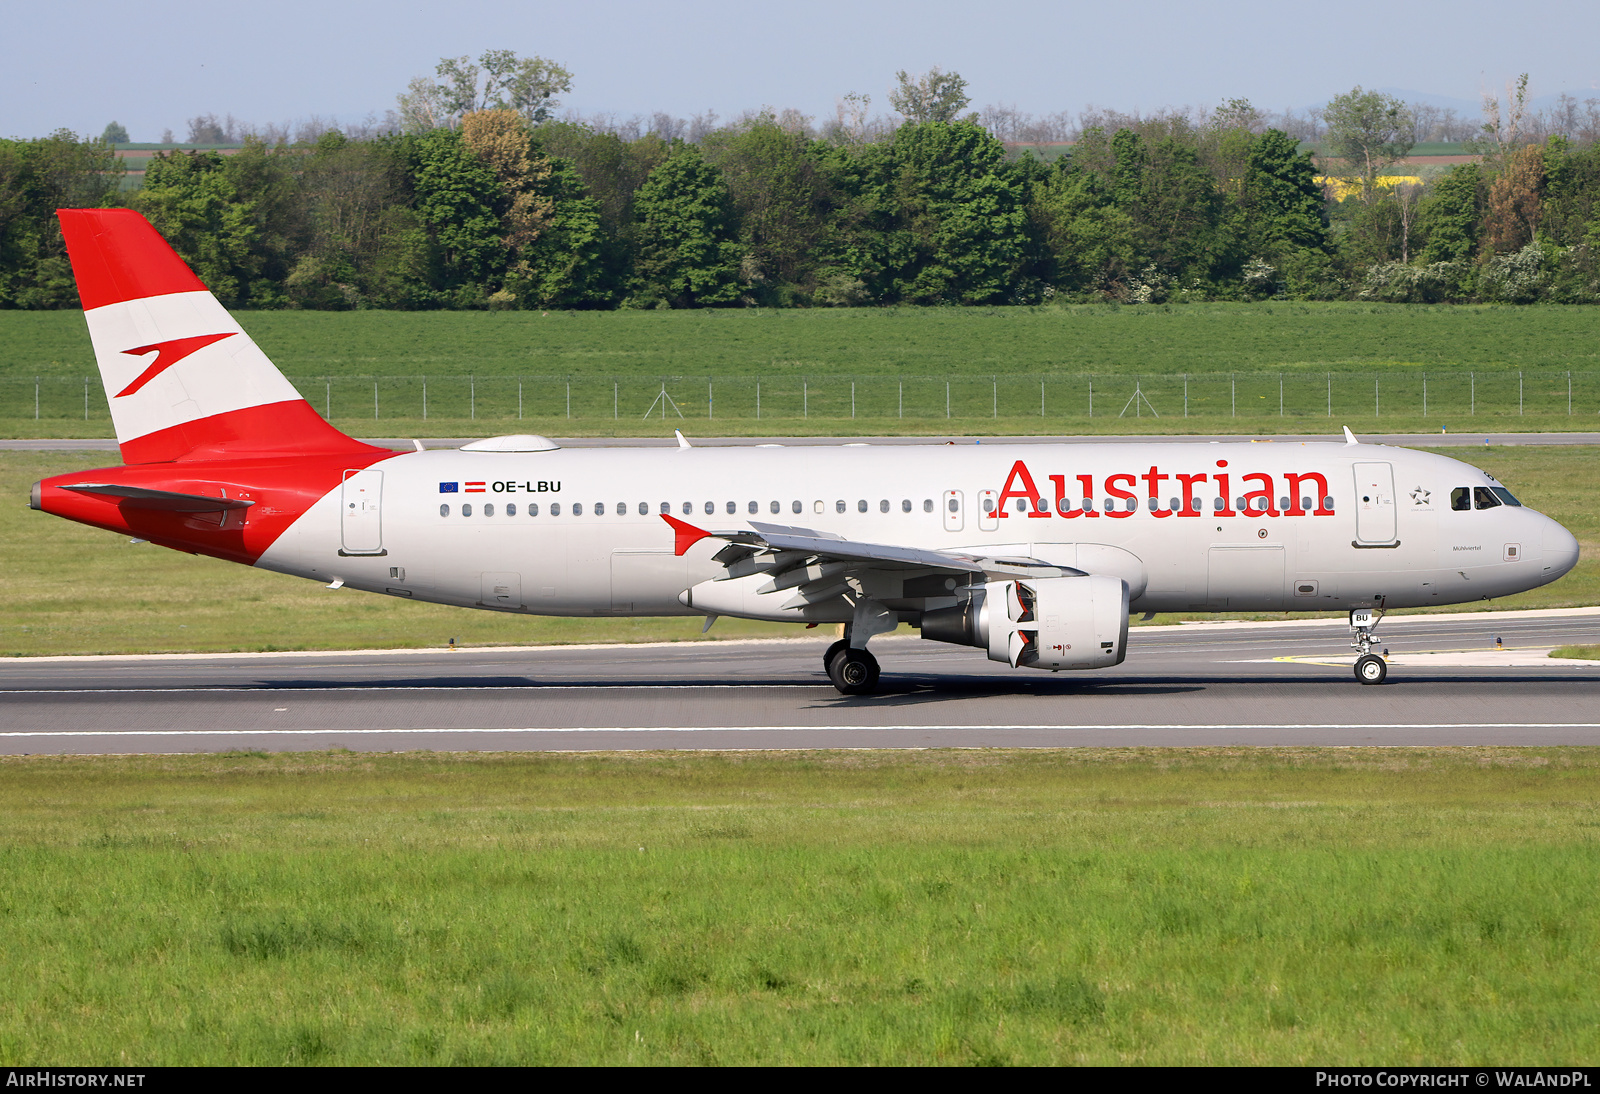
(1244, 396)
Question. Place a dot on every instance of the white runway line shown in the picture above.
(6, 734)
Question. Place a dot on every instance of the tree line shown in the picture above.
(485, 200)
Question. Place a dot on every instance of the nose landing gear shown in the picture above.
(1370, 668)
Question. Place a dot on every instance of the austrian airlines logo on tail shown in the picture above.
(168, 353)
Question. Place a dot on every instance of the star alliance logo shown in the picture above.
(1419, 496)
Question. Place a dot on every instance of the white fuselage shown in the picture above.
(579, 531)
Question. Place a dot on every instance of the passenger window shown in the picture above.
(1022, 505)
(733, 507)
(1064, 506)
(466, 510)
(711, 507)
(1483, 498)
(1133, 504)
(688, 508)
(839, 505)
(577, 508)
(883, 506)
(599, 508)
(511, 508)
(955, 506)
(666, 507)
(988, 505)
(927, 505)
(795, 507)
(755, 507)
(533, 508)
(644, 508)
(488, 509)
(775, 508)
(444, 510)
(905, 505)
(1461, 499)
(555, 509)
(622, 508)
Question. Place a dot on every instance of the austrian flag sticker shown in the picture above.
(476, 487)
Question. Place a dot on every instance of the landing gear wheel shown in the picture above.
(827, 658)
(1371, 669)
(853, 672)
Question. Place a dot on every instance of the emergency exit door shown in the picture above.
(1375, 508)
(361, 513)
(951, 506)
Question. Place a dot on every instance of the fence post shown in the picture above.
(374, 400)
(36, 398)
(947, 398)
(1041, 398)
(615, 399)
(852, 400)
(472, 396)
(758, 400)
(424, 398)
(1424, 394)
(1569, 397)
(1330, 394)
(1375, 403)
(903, 397)
(569, 399)
(327, 402)
(1091, 396)
(519, 398)
(711, 402)
(1233, 396)
(995, 396)
(1280, 394)
(1473, 381)
(1519, 392)
(86, 396)
(805, 398)
(1185, 394)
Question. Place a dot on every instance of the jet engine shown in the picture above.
(1073, 622)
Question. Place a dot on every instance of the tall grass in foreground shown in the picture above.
(1220, 906)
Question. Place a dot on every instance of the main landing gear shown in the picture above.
(852, 669)
(1370, 668)
(853, 672)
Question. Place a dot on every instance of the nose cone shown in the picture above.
(1560, 550)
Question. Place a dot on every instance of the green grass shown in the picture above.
(69, 589)
(1249, 906)
(1582, 653)
(806, 360)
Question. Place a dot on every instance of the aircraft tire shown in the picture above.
(827, 658)
(853, 672)
(1371, 669)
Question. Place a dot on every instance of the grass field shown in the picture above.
(993, 360)
(1250, 906)
(69, 589)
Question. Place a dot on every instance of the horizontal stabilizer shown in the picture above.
(141, 497)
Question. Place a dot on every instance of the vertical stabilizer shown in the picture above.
(184, 380)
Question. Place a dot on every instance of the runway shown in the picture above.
(1192, 685)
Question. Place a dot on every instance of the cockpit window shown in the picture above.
(1461, 499)
(1505, 495)
(1483, 498)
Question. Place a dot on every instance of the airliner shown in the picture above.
(1036, 554)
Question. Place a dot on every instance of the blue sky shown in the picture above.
(153, 65)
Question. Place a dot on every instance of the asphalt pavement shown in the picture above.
(1450, 683)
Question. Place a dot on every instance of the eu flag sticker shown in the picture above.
(449, 487)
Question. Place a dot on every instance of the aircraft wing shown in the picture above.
(781, 548)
